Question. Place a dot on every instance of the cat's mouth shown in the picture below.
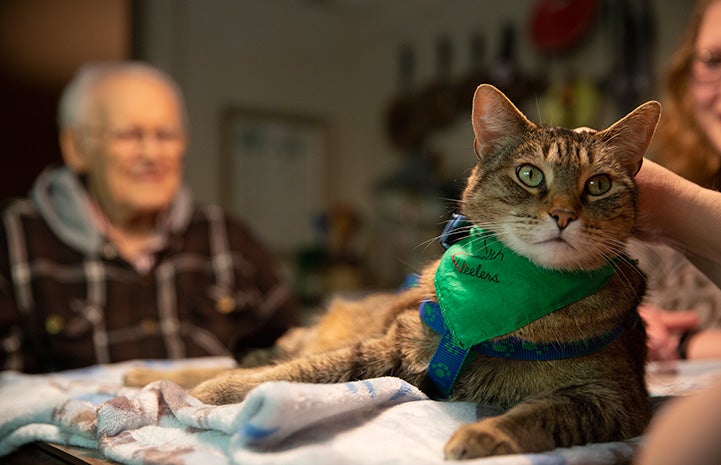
(556, 240)
(558, 247)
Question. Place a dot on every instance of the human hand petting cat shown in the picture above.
(656, 186)
(678, 212)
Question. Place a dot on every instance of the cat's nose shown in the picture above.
(563, 217)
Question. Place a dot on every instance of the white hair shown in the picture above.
(78, 96)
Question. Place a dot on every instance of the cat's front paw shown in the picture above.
(480, 439)
(139, 377)
(223, 389)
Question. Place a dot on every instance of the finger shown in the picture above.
(679, 321)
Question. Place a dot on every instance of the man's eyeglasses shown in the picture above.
(135, 136)
(706, 66)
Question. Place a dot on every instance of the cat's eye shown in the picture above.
(530, 175)
(598, 184)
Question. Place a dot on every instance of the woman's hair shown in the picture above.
(680, 144)
(78, 95)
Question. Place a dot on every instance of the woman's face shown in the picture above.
(706, 75)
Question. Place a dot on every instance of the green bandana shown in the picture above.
(486, 290)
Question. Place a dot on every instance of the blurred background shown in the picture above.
(339, 129)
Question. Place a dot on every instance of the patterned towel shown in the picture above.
(376, 421)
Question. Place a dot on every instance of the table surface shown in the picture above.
(41, 453)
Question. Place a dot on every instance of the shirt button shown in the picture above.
(109, 251)
(54, 324)
(225, 304)
(149, 327)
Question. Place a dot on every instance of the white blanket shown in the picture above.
(377, 421)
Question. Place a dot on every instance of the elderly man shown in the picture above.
(109, 259)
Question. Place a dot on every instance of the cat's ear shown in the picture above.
(494, 119)
(632, 134)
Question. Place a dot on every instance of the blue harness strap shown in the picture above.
(449, 360)
(457, 228)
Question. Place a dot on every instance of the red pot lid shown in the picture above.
(558, 24)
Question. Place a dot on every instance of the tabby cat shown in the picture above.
(558, 203)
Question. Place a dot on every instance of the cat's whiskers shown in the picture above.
(596, 242)
(487, 227)
(647, 247)
(627, 280)
(654, 257)
(613, 251)
(482, 237)
(428, 243)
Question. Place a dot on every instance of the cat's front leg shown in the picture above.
(359, 361)
(403, 351)
(510, 433)
(336, 366)
(227, 388)
(573, 416)
(482, 439)
(184, 377)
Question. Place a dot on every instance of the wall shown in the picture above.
(339, 64)
(42, 42)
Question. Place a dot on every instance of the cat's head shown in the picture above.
(563, 198)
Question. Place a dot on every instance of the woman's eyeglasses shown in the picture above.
(135, 136)
(706, 66)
